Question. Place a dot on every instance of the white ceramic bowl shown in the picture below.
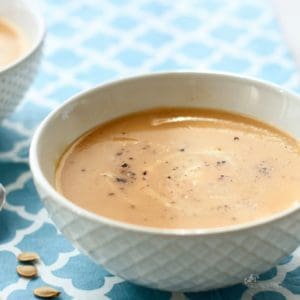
(16, 78)
(176, 260)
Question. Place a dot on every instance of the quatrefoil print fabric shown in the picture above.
(91, 42)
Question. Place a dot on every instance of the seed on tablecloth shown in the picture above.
(27, 271)
(46, 292)
(28, 256)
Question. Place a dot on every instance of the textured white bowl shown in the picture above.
(176, 260)
(16, 77)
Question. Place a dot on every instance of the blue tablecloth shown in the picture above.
(90, 42)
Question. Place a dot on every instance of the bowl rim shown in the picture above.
(36, 13)
(41, 180)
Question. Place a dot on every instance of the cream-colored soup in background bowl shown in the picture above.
(175, 259)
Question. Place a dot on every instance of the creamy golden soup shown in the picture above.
(13, 43)
(182, 168)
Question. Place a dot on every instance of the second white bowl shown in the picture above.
(175, 260)
(16, 78)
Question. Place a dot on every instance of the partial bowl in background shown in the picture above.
(168, 259)
(16, 77)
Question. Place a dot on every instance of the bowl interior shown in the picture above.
(83, 112)
(25, 15)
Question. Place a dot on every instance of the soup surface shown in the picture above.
(13, 43)
(182, 168)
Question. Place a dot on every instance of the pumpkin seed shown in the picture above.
(27, 271)
(28, 256)
(46, 292)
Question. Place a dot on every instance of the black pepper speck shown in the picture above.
(121, 180)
